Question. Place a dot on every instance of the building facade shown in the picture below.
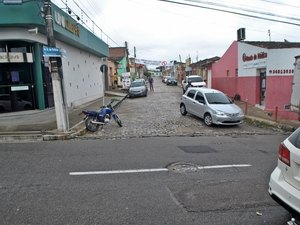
(25, 78)
(260, 73)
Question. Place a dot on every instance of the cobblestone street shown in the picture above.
(158, 115)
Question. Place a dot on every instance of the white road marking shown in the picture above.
(223, 166)
(118, 171)
(152, 170)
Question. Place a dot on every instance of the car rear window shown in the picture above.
(137, 84)
(195, 79)
(295, 138)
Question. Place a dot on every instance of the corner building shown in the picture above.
(25, 80)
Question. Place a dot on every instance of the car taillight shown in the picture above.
(284, 154)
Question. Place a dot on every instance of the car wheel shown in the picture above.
(208, 119)
(183, 110)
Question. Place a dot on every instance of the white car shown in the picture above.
(192, 81)
(211, 105)
(284, 185)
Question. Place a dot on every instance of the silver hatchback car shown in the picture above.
(137, 88)
(211, 105)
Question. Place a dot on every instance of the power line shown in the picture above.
(244, 9)
(84, 23)
(228, 11)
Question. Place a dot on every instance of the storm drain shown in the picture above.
(197, 149)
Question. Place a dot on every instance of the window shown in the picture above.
(191, 93)
(217, 98)
(200, 98)
(295, 138)
(2, 47)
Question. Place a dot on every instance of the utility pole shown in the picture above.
(134, 49)
(61, 118)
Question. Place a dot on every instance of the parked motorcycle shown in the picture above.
(93, 119)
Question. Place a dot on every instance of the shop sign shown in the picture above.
(66, 24)
(126, 80)
(19, 88)
(247, 58)
(15, 57)
(51, 52)
(281, 71)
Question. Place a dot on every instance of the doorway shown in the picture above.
(16, 92)
(262, 90)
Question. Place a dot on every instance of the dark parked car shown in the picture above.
(171, 81)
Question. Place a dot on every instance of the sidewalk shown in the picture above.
(41, 125)
(259, 117)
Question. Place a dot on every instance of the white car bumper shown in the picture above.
(284, 192)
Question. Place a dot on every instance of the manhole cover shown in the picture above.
(182, 167)
(197, 149)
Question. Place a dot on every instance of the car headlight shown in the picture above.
(219, 113)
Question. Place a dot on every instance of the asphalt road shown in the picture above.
(159, 168)
(112, 182)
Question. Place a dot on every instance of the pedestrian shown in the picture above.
(151, 83)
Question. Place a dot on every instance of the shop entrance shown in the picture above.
(262, 78)
(16, 92)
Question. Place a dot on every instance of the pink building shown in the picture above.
(260, 73)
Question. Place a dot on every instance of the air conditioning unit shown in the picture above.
(241, 34)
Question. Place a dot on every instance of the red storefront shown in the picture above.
(260, 73)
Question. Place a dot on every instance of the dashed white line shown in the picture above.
(152, 170)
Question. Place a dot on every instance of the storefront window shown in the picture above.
(16, 80)
(2, 47)
(18, 46)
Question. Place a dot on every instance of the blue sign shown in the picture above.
(51, 52)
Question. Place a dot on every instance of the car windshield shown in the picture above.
(217, 98)
(195, 79)
(137, 84)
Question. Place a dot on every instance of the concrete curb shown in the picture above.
(267, 123)
(30, 136)
(78, 129)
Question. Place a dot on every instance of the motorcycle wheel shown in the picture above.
(91, 126)
(119, 122)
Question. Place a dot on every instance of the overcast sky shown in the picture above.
(165, 31)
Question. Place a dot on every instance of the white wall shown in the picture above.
(83, 80)
(281, 61)
(278, 62)
(248, 68)
(295, 98)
